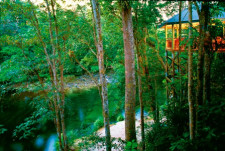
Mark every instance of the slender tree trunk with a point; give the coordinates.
(147, 75)
(173, 91)
(199, 77)
(96, 12)
(156, 103)
(62, 103)
(179, 61)
(141, 70)
(140, 93)
(58, 102)
(141, 102)
(130, 88)
(199, 92)
(52, 67)
(62, 110)
(180, 26)
(203, 19)
(190, 76)
(206, 88)
(207, 57)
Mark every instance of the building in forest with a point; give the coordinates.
(172, 30)
(174, 48)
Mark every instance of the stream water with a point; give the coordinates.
(82, 109)
(81, 106)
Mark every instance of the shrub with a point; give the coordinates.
(120, 118)
(98, 123)
(131, 146)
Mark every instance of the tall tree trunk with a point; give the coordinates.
(96, 12)
(140, 92)
(62, 110)
(156, 102)
(130, 88)
(54, 71)
(207, 58)
(179, 61)
(141, 71)
(207, 73)
(52, 66)
(147, 75)
(173, 91)
(180, 26)
(190, 75)
(203, 19)
(62, 103)
(200, 64)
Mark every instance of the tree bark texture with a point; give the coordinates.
(96, 12)
(173, 67)
(203, 19)
(147, 74)
(207, 58)
(57, 100)
(140, 93)
(207, 73)
(130, 88)
(199, 93)
(190, 76)
(61, 67)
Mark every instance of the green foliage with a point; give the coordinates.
(94, 141)
(98, 123)
(72, 135)
(131, 146)
(33, 123)
(158, 138)
(120, 118)
(2, 129)
(29, 126)
(173, 134)
(25, 130)
(182, 144)
(211, 131)
(23, 62)
(216, 28)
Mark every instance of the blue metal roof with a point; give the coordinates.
(184, 17)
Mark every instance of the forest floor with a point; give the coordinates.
(117, 131)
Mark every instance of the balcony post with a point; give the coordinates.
(166, 34)
(166, 74)
(173, 55)
(173, 60)
(172, 37)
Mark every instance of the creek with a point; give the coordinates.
(82, 109)
(83, 106)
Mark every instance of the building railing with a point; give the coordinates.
(218, 44)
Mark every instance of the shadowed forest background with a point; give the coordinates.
(112, 75)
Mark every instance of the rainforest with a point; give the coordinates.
(112, 75)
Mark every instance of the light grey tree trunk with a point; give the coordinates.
(103, 82)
